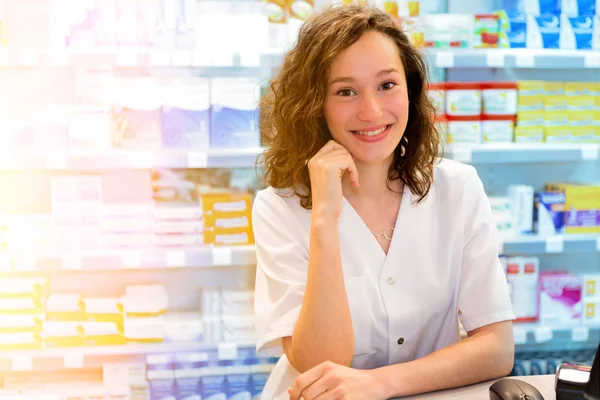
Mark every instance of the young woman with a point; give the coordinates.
(369, 248)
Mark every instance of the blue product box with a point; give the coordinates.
(580, 33)
(543, 32)
(549, 213)
(214, 383)
(576, 8)
(239, 382)
(542, 7)
(513, 30)
(188, 375)
(234, 113)
(161, 376)
(185, 129)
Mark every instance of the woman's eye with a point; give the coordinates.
(345, 92)
(388, 85)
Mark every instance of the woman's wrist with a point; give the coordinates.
(389, 380)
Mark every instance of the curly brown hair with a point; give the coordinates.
(291, 113)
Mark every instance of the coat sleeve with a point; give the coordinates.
(281, 271)
(483, 296)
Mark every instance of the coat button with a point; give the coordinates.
(391, 280)
(401, 341)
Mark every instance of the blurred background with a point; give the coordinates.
(128, 149)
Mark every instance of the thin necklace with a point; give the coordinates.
(383, 236)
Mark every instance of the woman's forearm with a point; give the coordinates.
(485, 355)
(324, 328)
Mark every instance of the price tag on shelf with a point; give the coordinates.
(555, 244)
(580, 334)
(444, 59)
(495, 59)
(197, 160)
(227, 351)
(56, 160)
(542, 334)
(58, 58)
(28, 58)
(74, 360)
(127, 58)
(25, 263)
(141, 160)
(22, 363)
(250, 59)
(462, 154)
(589, 152)
(160, 58)
(519, 334)
(592, 60)
(525, 60)
(132, 260)
(222, 256)
(175, 259)
(181, 58)
(71, 262)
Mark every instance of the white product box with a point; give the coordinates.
(498, 131)
(522, 202)
(522, 276)
(144, 328)
(464, 132)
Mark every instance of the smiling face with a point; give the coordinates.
(366, 106)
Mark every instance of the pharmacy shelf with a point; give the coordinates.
(93, 357)
(200, 257)
(522, 153)
(553, 337)
(532, 244)
(514, 58)
(85, 160)
(207, 59)
(93, 160)
(217, 63)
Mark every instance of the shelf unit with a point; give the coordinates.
(559, 244)
(552, 337)
(94, 357)
(271, 58)
(90, 160)
(79, 160)
(197, 257)
(515, 58)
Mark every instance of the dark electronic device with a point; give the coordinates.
(578, 382)
(592, 388)
(514, 389)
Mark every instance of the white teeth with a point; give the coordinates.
(372, 133)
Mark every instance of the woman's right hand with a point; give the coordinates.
(326, 169)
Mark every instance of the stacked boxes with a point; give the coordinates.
(227, 218)
(21, 313)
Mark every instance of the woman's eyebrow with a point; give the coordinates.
(381, 73)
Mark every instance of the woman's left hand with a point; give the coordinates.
(330, 381)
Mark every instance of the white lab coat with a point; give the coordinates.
(442, 265)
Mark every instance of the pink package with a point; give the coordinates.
(560, 297)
